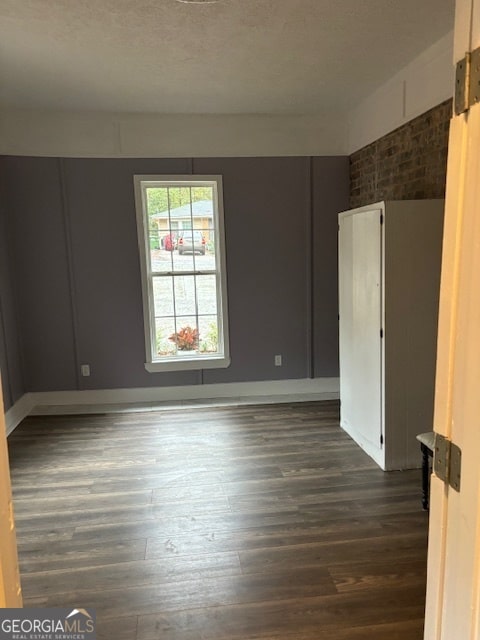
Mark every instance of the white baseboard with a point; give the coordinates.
(377, 454)
(271, 391)
(265, 392)
(18, 412)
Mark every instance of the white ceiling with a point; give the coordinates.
(236, 56)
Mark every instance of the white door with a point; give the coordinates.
(453, 587)
(360, 304)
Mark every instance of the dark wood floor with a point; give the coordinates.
(238, 523)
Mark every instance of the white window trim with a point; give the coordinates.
(195, 362)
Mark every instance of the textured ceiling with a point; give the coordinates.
(234, 56)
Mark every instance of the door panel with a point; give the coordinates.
(360, 277)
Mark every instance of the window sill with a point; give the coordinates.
(186, 364)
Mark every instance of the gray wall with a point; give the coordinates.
(328, 201)
(10, 360)
(77, 278)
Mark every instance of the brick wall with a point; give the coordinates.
(408, 163)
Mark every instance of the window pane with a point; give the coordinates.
(158, 223)
(164, 328)
(185, 299)
(163, 296)
(191, 241)
(157, 202)
(161, 260)
(202, 193)
(178, 197)
(168, 238)
(187, 222)
(206, 262)
(208, 334)
(183, 261)
(209, 235)
(187, 335)
(207, 294)
(155, 235)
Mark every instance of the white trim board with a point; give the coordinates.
(144, 399)
(70, 134)
(20, 410)
(423, 84)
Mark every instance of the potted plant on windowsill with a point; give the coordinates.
(186, 338)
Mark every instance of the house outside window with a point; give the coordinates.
(182, 259)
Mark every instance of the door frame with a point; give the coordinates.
(10, 589)
(453, 575)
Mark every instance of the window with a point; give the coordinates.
(182, 254)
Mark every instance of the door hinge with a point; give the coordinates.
(467, 82)
(447, 461)
(381, 218)
(475, 77)
(381, 333)
(381, 438)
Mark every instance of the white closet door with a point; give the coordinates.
(360, 300)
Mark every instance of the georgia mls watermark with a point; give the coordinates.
(47, 624)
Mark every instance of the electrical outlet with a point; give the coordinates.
(278, 361)
(85, 368)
